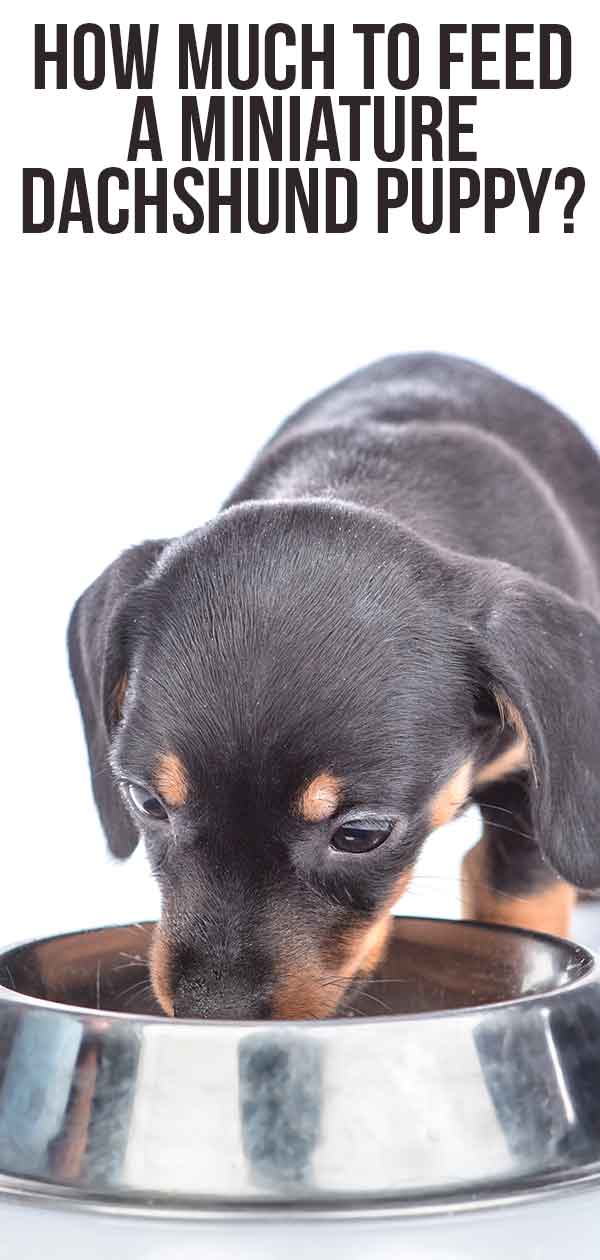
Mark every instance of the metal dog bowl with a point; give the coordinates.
(468, 1076)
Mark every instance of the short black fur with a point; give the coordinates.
(413, 543)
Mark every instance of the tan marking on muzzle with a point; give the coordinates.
(367, 947)
(160, 965)
(304, 993)
(320, 799)
(171, 781)
(452, 796)
(314, 990)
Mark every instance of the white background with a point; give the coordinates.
(141, 373)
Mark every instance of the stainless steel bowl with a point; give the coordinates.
(469, 1074)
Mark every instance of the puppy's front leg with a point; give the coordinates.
(504, 878)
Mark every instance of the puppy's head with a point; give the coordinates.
(283, 705)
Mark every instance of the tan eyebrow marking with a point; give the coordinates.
(320, 799)
(171, 781)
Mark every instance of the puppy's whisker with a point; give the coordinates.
(364, 993)
(525, 835)
(390, 980)
(502, 808)
(482, 885)
(137, 985)
(133, 961)
(138, 997)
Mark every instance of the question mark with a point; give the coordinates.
(578, 177)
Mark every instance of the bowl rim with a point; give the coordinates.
(589, 973)
(506, 1193)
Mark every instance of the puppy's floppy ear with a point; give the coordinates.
(538, 652)
(98, 656)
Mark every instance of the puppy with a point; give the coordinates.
(397, 612)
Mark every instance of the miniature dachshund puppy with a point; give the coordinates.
(396, 613)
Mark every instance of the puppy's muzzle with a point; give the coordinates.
(195, 998)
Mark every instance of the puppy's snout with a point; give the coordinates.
(222, 980)
(196, 997)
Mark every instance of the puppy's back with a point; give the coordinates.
(436, 387)
(354, 420)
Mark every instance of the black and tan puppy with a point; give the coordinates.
(395, 613)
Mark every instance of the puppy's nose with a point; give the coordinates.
(193, 999)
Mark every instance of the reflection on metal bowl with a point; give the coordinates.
(471, 1076)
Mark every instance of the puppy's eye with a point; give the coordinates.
(145, 803)
(360, 837)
